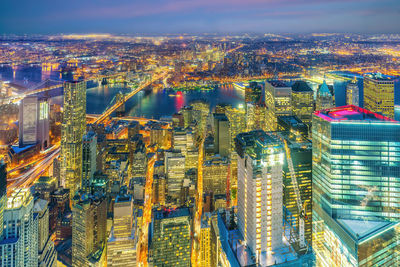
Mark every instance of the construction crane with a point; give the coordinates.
(302, 214)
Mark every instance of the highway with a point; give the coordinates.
(31, 175)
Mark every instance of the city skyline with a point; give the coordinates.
(193, 133)
(193, 16)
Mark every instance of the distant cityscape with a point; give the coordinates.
(201, 150)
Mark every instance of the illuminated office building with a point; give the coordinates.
(34, 122)
(303, 101)
(3, 193)
(215, 243)
(301, 154)
(222, 135)
(160, 137)
(159, 189)
(237, 121)
(89, 159)
(277, 101)
(187, 112)
(20, 244)
(353, 93)
(180, 140)
(89, 220)
(191, 158)
(205, 243)
(72, 131)
(201, 109)
(171, 241)
(183, 141)
(324, 98)
(355, 188)
(260, 161)
(379, 94)
(47, 251)
(138, 158)
(256, 117)
(175, 171)
(215, 174)
(121, 245)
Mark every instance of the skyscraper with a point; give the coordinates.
(353, 93)
(256, 117)
(175, 171)
(34, 122)
(277, 101)
(72, 131)
(324, 98)
(237, 122)
(121, 246)
(356, 183)
(302, 101)
(171, 241)
(215, 172)
(222, 135)
(3, 193)
(259, 193)
(301, 156)
(89, 221)
(379, 94)
(205, 236)
(20, 244)
(46, 249)
(89, 158)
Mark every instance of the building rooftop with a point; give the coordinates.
(278, 84)
(123, 198)
(350, 113)
(249, 142)
(40, 205)
(171, 213)
(324, 89)
(292, 121)
(361, 230)
(379, 77)
(18, 198)
(301, 86)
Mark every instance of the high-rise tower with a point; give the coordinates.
(20, 244)
(89, 155)
(356, 185)
(353, 93)
(379, 94)
(324, 98)
(260, 161)
(72, 131)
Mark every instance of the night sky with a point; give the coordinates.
(195, 16)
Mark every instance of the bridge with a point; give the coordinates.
(48, 85)
(126, 97)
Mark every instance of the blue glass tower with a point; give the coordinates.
(356, 187)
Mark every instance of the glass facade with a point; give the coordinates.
(356, 166)
(356, 188)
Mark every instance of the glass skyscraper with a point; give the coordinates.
(356, 188)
